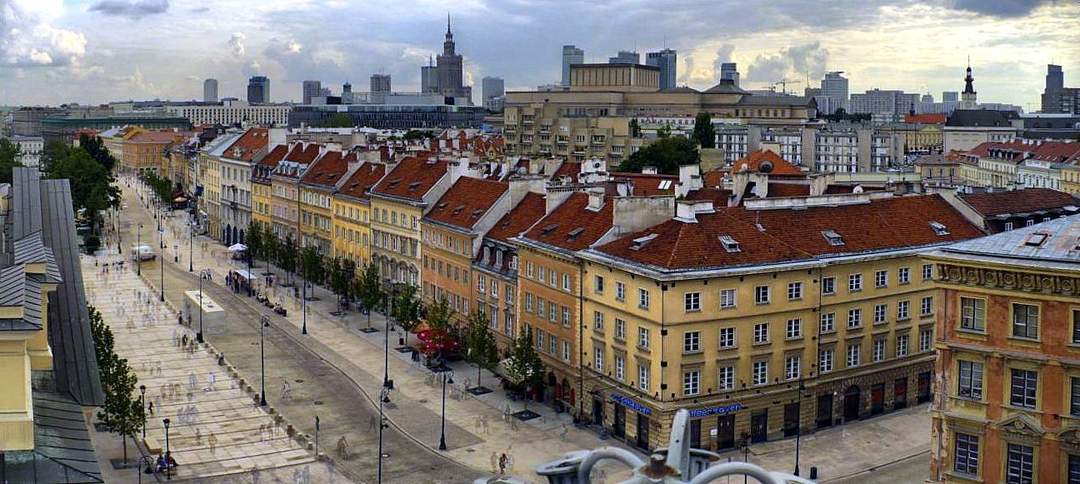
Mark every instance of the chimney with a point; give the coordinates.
(687, 211)
(649, 170)
(596, 199)
(522, 185)
(632, 214)
(555, 198)
(689, 179)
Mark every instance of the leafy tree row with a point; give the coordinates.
(88, 168)
(123, 411)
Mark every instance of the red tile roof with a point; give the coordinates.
(248, 145)
(530, 209)
(776, 165)
(274, 156)
(366, 176)
(328, 169)
(713, 178)
(791, 235)
(465, 202)
(303, 154)
(1052, 151)
(568, 168)
(156, 137)
(412, 177)
(788, 190)
(644, 185)
(1018, 201)
(718, 196)
(928, 118)
(572, 226)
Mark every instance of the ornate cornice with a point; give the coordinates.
(1058, 285)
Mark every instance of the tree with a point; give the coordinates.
(436, 339)
(635, 128)
(311, 265)
(271, 244)
(9, 159)
(524, 369)
(406, 309)
(95, 147)
(414, 135)
(287, 255)
(368, 287)
(663, 131)
(122, 412)
(339, 120)
(666, 154)
(91, 183)
(704, 132)
(339, 279)
(254, 239)
(480, 347)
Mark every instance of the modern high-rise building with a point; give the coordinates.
(835, 86)
(380, 83)
(447, 75)
(730, 71)
(209, 90)
(429, 78)
(570, 55)
(311, 89)
(258, 90)
(667, 61)
(346, 93)
(1055, 77)
(625, 57)
(950, 96)
(1057, 98)
(492, 87)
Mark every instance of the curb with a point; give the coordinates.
(875, 467)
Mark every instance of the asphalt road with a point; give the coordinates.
(914, 469)
(317, 387)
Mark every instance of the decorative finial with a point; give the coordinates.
(448, 23)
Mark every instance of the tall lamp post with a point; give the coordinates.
(168, 455)
(142, 401)
(202, 275)
(161, 263)
(384, 396)
(138, 250)
(798, 426)
(264, 322)
(386, 335)
(303, 303)
(447, 377)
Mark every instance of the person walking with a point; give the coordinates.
(502, 464)
(212, 440)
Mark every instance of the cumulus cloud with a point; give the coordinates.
(28, 38)
(236, 44)
(133, 9)
(795, 61)
(723, 54)
(998, 8)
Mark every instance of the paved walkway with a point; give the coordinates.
(215, 427)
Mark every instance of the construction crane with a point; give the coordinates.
(783, 84)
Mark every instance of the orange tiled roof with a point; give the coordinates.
(1052, 151)
(465, 202)
(568, 168)
(713, 178)
(275, 155)
(412, 177)
(520, 218)
(645, 185)
(718, 196)
(792, 235)
(155, 137)
(249, 144)
(572, 226)
(928, 118)
(754, 161)
(328, 169)
(1018, 201)
(303, 154)
(366, 176)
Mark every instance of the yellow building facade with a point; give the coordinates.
(352, 214)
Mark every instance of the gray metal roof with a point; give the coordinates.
(74, 360)
(25, 202)
(29, 249)
(11, 286)
(1052, 244)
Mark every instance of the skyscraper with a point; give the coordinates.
(625, 57)
(380, 83)
(835, 86)
(429, 78)
(209, 90)
(258, 90)
(451, 69)
(346, 93)
(667, 61)
(729, 70)
(570, 55)
(311, 89)
(494, 91)
(1055, 78)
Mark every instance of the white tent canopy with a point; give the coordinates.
(237, 248)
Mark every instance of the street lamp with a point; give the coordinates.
(142, 401)
(168, 455)
(138, 250)
(447, 377)
(798, 426)
(202, 275)
(384, 396)
(386, 336)
(264, 322)
(161, 263)
(191, 246)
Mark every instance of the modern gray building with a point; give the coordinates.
(493, 92)
(884, 105)
(258, 90)
(625, 57)
(346, 93)
(667, 61)
(730, 71)
(1057, 98)
(310, 90)
(570, 55)
(835, 86)
(950, 96)
(380, 83)
(429, 78)
(209, 91)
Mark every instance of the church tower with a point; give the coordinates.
(968, 97)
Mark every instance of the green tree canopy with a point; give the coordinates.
(666, 154)
(254, 241)
(91, 182)
(524, 369)
(480, 347)
(407, 309)
(9, 159)
(368, 287)
(287, 255)
(704, 132)
(311, 264)
(122, 412)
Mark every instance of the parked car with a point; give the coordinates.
(142, 252)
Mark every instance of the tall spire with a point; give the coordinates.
(448, 24)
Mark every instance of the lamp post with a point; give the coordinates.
(386, 335)
(138, 250)
(798, 426)
(303, 302)
(168, 456)
(384, 396)
(191, 247)
(142, 401)
(447, 377)
(161, 262)
(202, 275)
(264, 322)
(251, 277)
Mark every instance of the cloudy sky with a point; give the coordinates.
(90, 51)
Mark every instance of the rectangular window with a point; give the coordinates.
(727, 298)
(881, 279)
(828, 322)
(854, 282)
(643, 376)
(1074, 396)
(973, 314)
(880, 313)
(620, 367)
(828, 286)
(794, 328)
(903, 275)
(598, 283)
(566, 351)
(725, 379)
(553, 312)
(761, 333)
(691, 342)
(1020, 464)
(879, 349)
(598, 359)
(540, 311)
(643, 298)
(1023, 388)
(901, 345)
(794, 290)
(970, 379)
(1025, 321)
(761, 295)
(926, 308)
(825, 360)
(620, 291)
(598, 320)
(643, 338)
(1076, 326)
(691, 382)
(966, 453)
(566, 282)
(760, 372)
(553, 345)
(727, 337)
(620, 329)
(566, 316)
(853, 350)
(553, 278)
(692, 301)
(791, 367)
(854, 317)
(927, 272)
(903, 310)
(926, 339)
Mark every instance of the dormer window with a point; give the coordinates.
(575, 233)
(665, 184)
(548, 229)
(833, 238)
(476, 213)
(640, 242)
(730, 244)
(939, 228)
(414, 185)
(458, 209)
(1036, 239)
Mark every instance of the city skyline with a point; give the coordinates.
(100, 51)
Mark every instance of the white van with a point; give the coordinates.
(142, 252)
